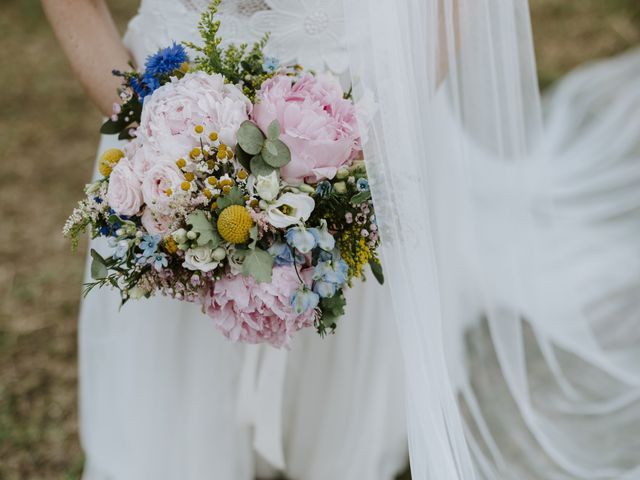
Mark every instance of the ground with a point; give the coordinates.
(48, 137)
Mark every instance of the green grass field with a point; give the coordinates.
(48, 138)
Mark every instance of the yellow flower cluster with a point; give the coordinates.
(108, 160)
(354, 250)
(170, 245)
(234, 224)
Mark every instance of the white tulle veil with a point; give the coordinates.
(509, 253)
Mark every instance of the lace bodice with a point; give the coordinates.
(309, 32)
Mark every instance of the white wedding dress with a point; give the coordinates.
(164, 396)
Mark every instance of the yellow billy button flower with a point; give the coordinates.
(189, 176)
(199, 129)
(186, 186)
(108, 159)
(181, 163)
(242, 174)
(195, 152)
(234, 224)
(213, 136)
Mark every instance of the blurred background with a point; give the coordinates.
(48, 140)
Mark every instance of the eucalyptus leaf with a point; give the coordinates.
(204, 227)
(259, 167)
(98, 266)
(244, 158)
(253, 235)
(250, 138)
(361, 197)
(276, 153)
(273, 130)
(376, 269)
(234, 197)
(259, 264)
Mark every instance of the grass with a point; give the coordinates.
(48, 137)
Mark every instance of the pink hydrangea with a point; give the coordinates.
(171, 113)
(251, 312)
(318, 125)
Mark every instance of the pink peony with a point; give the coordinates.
(141, 157)
(156, 223)
(171, 113)
(124, 194)
(156, 182)
(318, 125)
(252, 312)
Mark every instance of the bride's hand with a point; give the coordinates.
(91, 42)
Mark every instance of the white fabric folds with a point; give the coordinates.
(512, 256)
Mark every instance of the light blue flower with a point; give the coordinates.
(304, 300)
(149, 245)
(334, 271)
(322, 236)
(159, 261)
(301, 239)
(121, 249)
(323, 188)
(281, 253)
(270, 64)
(325, 289)
(362, 184)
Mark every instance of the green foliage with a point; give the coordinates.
(250, 138)
(259, 167)
(376, 269)
(360, 197)
(99, 269)
(332, 309)
(202, 224)
(276, 153)
(234, 197)
(258, 263)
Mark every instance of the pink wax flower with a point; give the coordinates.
(171, 113)
(251, 312)
(318, 125)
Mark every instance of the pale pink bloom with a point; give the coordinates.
(142, 157)
(124, 195)
(156, 223)
(318, 125)
(171, 113)
(250, 312)
(157, 181)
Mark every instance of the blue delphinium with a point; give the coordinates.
(281, 253)
(270, 64)
(165, 61)
(301, 239)
(325, 289)
(304, 300)
(322, 237)
(333, 271)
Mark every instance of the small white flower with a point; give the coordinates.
(267, 187)
(290, 209)
(200, 258)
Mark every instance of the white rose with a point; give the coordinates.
(268, 186)
(200, 258)
(298, 208)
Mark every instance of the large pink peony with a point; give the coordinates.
(252, 312)
(124, 194)
(171, 113)
(318, 125)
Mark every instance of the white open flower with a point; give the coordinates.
(290, 209)
(200, 258)
(268, 186)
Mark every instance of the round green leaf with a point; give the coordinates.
(273, 130)
(260, 167)
(244, 158)
(276, 153)
(250, 138)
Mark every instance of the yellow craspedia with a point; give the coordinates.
(234, 224)
(108, 159)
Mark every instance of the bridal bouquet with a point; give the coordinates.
(241, 188)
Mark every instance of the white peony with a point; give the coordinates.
(290, 209)
(200, 258)
(267, 187)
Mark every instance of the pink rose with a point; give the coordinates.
(156, 223)
(142, 159)
(318, 125)
(171, 113)
(252, 312)
(124, 194)
(156, 182)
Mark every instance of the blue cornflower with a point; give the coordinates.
(281, 253)
(270, 64)
(149, 245)
(105, 230)
(165, 61)
(362, 184)
(139, 87)
(304, 300)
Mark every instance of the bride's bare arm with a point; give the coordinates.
(91, 42)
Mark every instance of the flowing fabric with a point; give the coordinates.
(511, 253)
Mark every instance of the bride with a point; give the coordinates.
(162, 394)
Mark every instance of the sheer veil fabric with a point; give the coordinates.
(512, 255)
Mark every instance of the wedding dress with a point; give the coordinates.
(163, 396)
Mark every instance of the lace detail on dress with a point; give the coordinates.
(242, 8)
